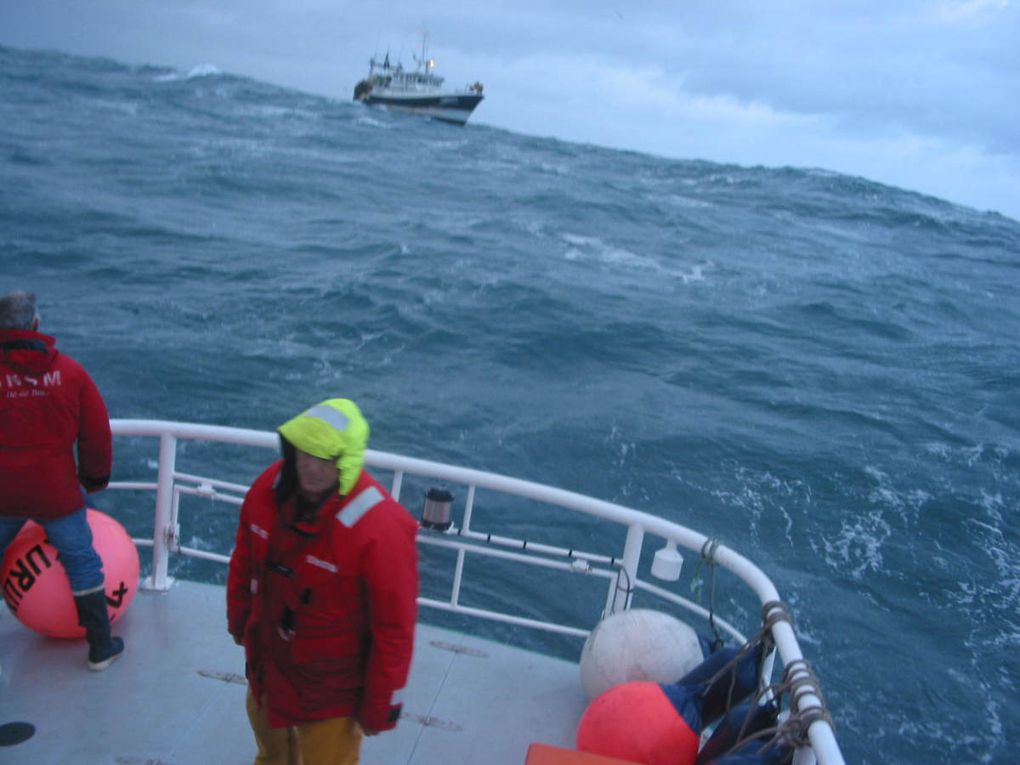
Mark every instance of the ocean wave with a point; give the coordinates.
(817, 369)
(196, 72)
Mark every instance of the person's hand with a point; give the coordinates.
(368, 731)
(92, 484)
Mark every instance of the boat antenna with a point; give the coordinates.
(424, 60)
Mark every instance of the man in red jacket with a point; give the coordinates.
(322, 592)
(48, 407)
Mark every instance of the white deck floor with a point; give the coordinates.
(177, 695)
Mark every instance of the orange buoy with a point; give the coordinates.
(36, 588)
(637, 722)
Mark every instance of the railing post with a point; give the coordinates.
(469, 507)
(158, 579)
(398, 479)
(458, 575)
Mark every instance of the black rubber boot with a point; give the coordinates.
(92, 615)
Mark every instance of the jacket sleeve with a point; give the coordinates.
(239, 575)
(95, 444)
(391, 576)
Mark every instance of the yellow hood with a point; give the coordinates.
(332, 430)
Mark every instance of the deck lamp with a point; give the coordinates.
(667, 563)
(437, 511)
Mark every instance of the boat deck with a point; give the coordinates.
(176, 697)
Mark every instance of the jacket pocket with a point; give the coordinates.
(333, 604)
(328, 669)
(335, 652)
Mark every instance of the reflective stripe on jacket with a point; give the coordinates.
(326, 609)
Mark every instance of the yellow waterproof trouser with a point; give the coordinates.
(336, 741)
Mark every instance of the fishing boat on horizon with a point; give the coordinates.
(420, 91)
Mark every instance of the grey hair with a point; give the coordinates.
(17, 310)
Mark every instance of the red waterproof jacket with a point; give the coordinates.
(48, 405)
(326, 609)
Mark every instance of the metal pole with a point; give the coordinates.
(398, 479)
(158, 579)
(469, 507)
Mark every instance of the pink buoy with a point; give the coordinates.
(638, 723)
(36, 588)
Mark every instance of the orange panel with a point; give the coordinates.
(544, 754)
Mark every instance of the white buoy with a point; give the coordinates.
(639, 644)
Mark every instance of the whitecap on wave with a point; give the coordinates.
(678, 200)
(371, 122)
(593, 248)
(202, 70)
(857, 548)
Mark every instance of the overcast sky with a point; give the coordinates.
(921, 94)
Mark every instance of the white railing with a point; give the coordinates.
(621, 573)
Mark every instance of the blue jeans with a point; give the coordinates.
(72, 537)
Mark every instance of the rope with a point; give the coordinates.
(799, 681)
(708, 550)
(776, 736)
(802, 682)
(773, 612)
(762, 639)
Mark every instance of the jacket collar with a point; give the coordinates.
(27, 350)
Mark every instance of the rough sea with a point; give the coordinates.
(821, 371)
